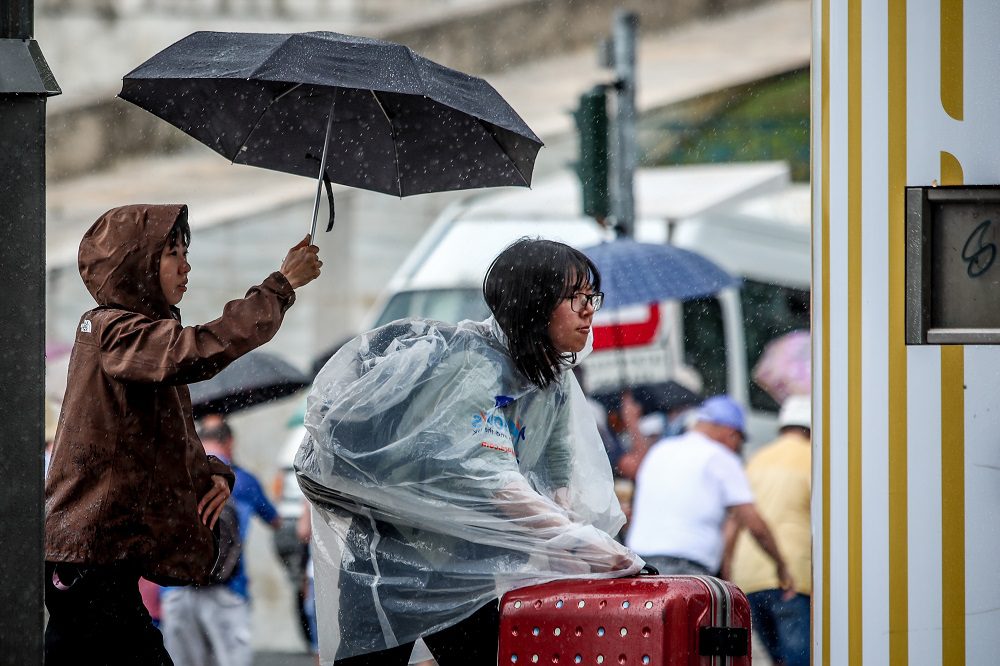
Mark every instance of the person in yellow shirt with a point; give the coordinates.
(780, 477)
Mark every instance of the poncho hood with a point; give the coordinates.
(119, 257)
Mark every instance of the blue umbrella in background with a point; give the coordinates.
(635, 273)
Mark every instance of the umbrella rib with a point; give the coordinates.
(503, 150)
(259, 118)
(395, 149)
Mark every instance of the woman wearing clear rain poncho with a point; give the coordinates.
(448, 464)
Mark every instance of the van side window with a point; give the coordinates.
(769, 311)
(450, 305)
(705, 343)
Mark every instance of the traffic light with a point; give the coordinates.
(592, 123)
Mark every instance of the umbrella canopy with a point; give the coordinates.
(785, 366)
(639, 273)
(252, 379)
(653, 397)
(401, 124)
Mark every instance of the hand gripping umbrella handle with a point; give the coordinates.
(322, 175)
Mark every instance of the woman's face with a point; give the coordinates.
(569, 328)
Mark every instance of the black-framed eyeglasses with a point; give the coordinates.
(579, 301)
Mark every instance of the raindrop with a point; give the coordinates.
(600, 659)
(645, 659)
(625, 604)
(556, 631)
(646, 632)
(649, 604)
(535, 631)
(559, 604)
(578, 659)
(534, 658)
(600, 631)
(581, 604)
(513, 658)
(624, 631)
(517, 604)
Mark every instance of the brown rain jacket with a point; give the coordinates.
(128, 470)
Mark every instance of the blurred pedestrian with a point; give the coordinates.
(211, 623)
(130, 491)
(652, 412)
(612, 445)
(446, 462)
(150, 593)
(686, 488)
(303, 530)
(780, 476)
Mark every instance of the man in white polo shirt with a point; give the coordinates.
(687, 486)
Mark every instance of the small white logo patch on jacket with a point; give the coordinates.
(85, 326)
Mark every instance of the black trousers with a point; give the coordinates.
(99, 619)
(471, 642)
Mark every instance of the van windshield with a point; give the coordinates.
(448, 305)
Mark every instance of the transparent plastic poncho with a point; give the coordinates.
(440, 478)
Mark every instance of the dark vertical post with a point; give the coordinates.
(25, 82)
(626, 27)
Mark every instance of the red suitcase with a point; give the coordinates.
(642, 620)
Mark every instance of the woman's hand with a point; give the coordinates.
(301, 265)
(210, 506)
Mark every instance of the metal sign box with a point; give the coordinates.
(952, 265)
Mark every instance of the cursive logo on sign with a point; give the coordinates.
(979, 255)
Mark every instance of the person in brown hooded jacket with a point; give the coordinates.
(130, 491)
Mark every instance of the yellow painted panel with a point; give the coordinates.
(953, 505)
(952, 479)
(855, 624)
(952, 55)
(898, 509)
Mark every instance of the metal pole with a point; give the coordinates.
(623, 197)
(322, 170)
(25, 82)
(16, 19)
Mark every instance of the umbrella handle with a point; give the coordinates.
(322, 173)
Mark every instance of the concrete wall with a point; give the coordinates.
(512, 32)
(91, 129)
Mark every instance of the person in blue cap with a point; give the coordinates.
(688, 486)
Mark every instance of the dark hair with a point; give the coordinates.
(523, 286)
(180, 232)
(217, 432)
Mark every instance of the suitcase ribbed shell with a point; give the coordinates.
(643, 621)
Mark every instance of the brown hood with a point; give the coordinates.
(119, 257)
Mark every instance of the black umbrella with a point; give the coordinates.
(393, 121)
(252, 379)
(664, 396)
(320, 360)
(654, 397)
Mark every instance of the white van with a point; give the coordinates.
(746, 217)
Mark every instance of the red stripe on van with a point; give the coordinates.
(634, 334)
